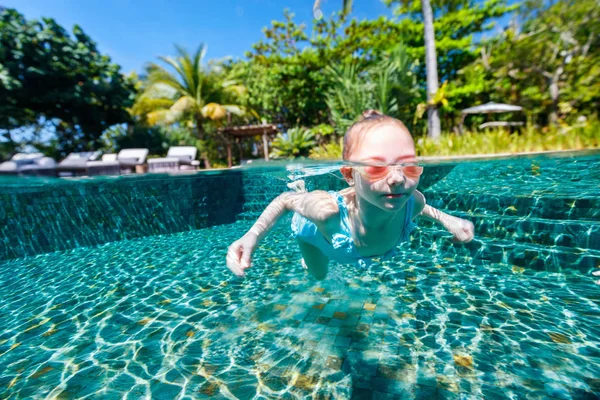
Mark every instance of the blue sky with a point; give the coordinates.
(133, 32)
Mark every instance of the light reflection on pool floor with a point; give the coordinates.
(162, 317)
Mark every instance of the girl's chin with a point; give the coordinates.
(394, 203)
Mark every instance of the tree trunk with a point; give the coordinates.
(433, 118)
(200, 133)
(554, 94)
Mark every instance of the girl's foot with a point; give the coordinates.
(595, 273)
(303, 264)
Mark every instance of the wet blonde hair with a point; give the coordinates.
(368, 120)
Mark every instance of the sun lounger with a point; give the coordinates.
(75, 164)
(178, 158)
(129, 159)
(107, 166)
(29, 164)
(114, 164)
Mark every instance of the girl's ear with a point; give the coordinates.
(347, 174)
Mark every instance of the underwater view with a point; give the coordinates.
(322, 199)
(134, 300)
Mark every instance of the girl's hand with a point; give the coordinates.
(239, 254)
(462, 230)
(597, 273)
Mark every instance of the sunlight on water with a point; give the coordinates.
(514, 313)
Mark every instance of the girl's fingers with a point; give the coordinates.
(233, 260)
(596, 273)
(246, 259)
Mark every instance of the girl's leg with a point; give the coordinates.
(316, 262)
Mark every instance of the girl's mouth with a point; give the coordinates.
(393, 196)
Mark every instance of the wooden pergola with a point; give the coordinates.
(240, 132)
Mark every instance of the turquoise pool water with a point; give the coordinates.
(515, 314)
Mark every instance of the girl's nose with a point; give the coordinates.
(395, 177)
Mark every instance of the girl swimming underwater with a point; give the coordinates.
(368, 219)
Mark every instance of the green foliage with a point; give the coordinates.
(284, 72)
(551, 65)
(323, 130)
(532, 139)
(456, 23)
(384, 85)
(118, 137)
(297, 142)
(60, 82)
(192, 95)
(329, 151)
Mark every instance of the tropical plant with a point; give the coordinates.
(433, 119)
(329, 151)
(348, 96)
(297, 142)
(383, 85)
(55, 81)
(157, 139)
(580, 136)
(284, 72)
(192, 94)
(552, 62)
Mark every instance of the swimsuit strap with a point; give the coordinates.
(342, 240)
(408, 224)
(344, 217)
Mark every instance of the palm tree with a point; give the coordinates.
(433, 118)
(193, 94)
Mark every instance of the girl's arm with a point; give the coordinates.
(317, 206)
(462, 230)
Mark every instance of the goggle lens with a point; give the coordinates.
(381, 171)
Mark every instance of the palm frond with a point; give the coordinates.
(158, 74)
(235, 110)
(158, 117)
(184, 104)
(160, 91)
(178, 68)
(189, 75)
(189, 92)
(214, 111)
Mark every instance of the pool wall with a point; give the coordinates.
(45, 215)
(64, 214)
(40, 216)
(523, 215)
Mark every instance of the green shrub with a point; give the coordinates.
(492, 141)
(297, 142)
(329, 151)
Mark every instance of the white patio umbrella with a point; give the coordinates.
(489, 108)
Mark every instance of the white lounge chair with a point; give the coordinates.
(29, 164)
(76, 163)
(178, 158)
(115, 164)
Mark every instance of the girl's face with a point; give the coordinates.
(386, 144)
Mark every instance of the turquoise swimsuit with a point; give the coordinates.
(342, 248)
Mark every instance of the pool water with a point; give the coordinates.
(515, 314)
